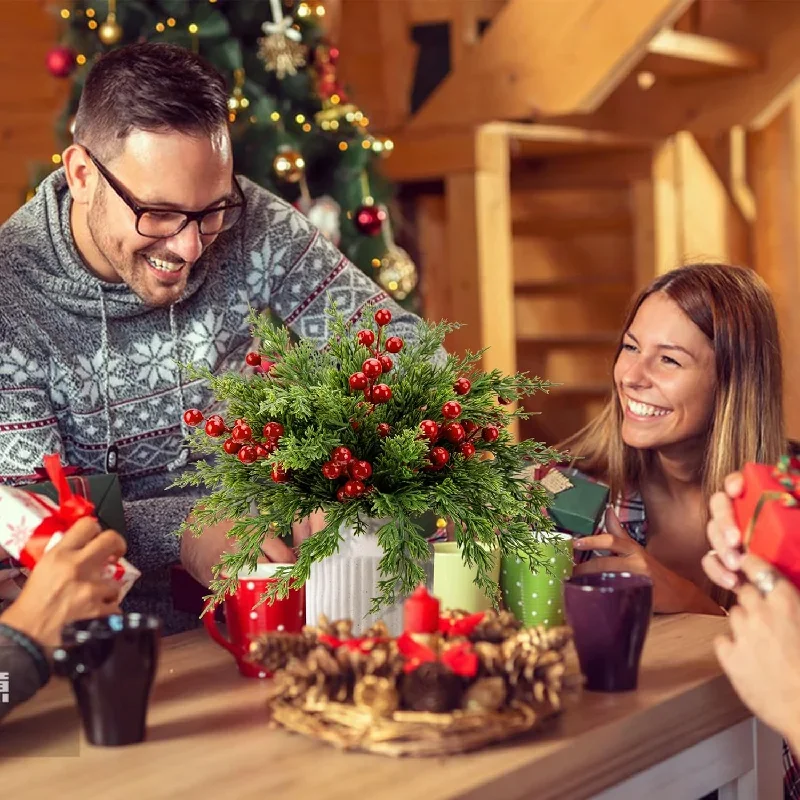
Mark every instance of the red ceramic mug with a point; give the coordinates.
(245, 623)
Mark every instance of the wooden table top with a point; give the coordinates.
(207, 737)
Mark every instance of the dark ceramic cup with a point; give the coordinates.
(111, 662)
(609, 613)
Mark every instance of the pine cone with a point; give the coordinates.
(431, 687)
(274, 650)
(533, 662)
(496, 626)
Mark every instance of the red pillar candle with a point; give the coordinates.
(421, 612)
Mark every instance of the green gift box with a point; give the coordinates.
(102, 491)
(577, 503)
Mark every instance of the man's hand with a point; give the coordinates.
(762, 652)
(68, 584)
(722, 562)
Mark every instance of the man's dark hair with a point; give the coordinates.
(148, 87)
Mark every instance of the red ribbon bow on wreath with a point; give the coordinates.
(70, 509)
(458, 658)
(363, 644)
(462, 626)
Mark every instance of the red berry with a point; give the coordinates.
(451, 409)
(240, 421)
(231, 447)
(215, 426)
(490, 433)
(439, 456)
(462, 386)
(381, 393)
(272, 430)
(248, 454)
(504, 401)
(279, 474)
(261, 451)
(454, 431)
(361, 470)
(253, 359)
(469, 427)
(242, 433)
(383, 316)
(386, 363)
(383, 429)
(372, 368)
(366, 338)
(341, 456)
(193, 416)
(358, 381)
(271, 445)
(340, 495)
(331, 471)
(430, 429)
(266, 366)
(467, 449)
(394, 344)
(354, 488)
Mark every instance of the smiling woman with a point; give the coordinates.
(697, 392)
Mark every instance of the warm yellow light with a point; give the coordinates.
(388, 144)
(160, 27)
(645, 80)
(335, 99)
(80, 59)
(320, 10)
(303, 10)
(92, 24)
(55, 158)
(366, 144)
(307, 127)
(244, 102)
(343, 146)
(274, 116)
(193, 28)
(64, 13)
(325, 125)
(393, 286)
(300, 119)
(171, 22)
(334, 124)
(364, 122)
(90, 12)
(376, 262)
(252, 119)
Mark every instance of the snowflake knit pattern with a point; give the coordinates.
(87, 369)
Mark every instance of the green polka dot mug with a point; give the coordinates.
(536, 597)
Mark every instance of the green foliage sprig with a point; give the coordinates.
(489, 495)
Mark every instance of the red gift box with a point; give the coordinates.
(768, 514)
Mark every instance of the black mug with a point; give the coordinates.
(111, 662)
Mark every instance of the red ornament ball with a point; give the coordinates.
(383, 429)
(381, 393)
(467, 449)
(439, 456)
(366, 338)
(354, 488)
(242, 432)
(272, 430)
(451, 409)
(386, 363)
(248, 454)
(369, 220)
(271, 445)
(231, 447)
(193, 417)
(358, 381)
(455, 432)
(394, 344)
(331, 470)
(253, 360)
(430, 429)
(215, 426)
(372, 368)
(341, 455)
(279, 474)
(361, 470)
(462, 386)
(469, 427)
(490, 433)
(383, 316)
(60, 61)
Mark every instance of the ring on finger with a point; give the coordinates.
(765, 581)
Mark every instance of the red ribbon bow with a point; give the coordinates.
(459, 658)
(70, 509)
(459, 627)
(363, 644)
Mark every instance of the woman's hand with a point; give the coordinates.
(672, 594)
(68, 584)
(762, 653)
(722, 562)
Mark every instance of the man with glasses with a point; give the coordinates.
(142, 251)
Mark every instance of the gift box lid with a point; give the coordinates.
(577, 503)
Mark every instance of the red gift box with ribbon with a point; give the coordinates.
(30, 523)
(768, 514)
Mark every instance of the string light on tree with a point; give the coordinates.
(237, 101)
(311, 8)
(289, 165)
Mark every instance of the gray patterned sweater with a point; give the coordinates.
(87, 368)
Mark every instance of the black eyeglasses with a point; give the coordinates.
(159, 223)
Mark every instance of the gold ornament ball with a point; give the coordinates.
(398, 273)
(110, 32)
(289, 166)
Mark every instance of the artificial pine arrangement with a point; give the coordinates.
(368, 427)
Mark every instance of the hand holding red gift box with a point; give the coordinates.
(30, 524)
(768, 514)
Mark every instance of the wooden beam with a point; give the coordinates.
(688, 55)
(542, 57)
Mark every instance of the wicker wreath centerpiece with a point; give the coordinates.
(479, 679)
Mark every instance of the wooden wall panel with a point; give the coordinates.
(30, 99)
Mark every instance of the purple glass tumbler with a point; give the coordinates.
(609, 613)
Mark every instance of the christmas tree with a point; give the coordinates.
(294, 128)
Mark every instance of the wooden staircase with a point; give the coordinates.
(628, 135)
